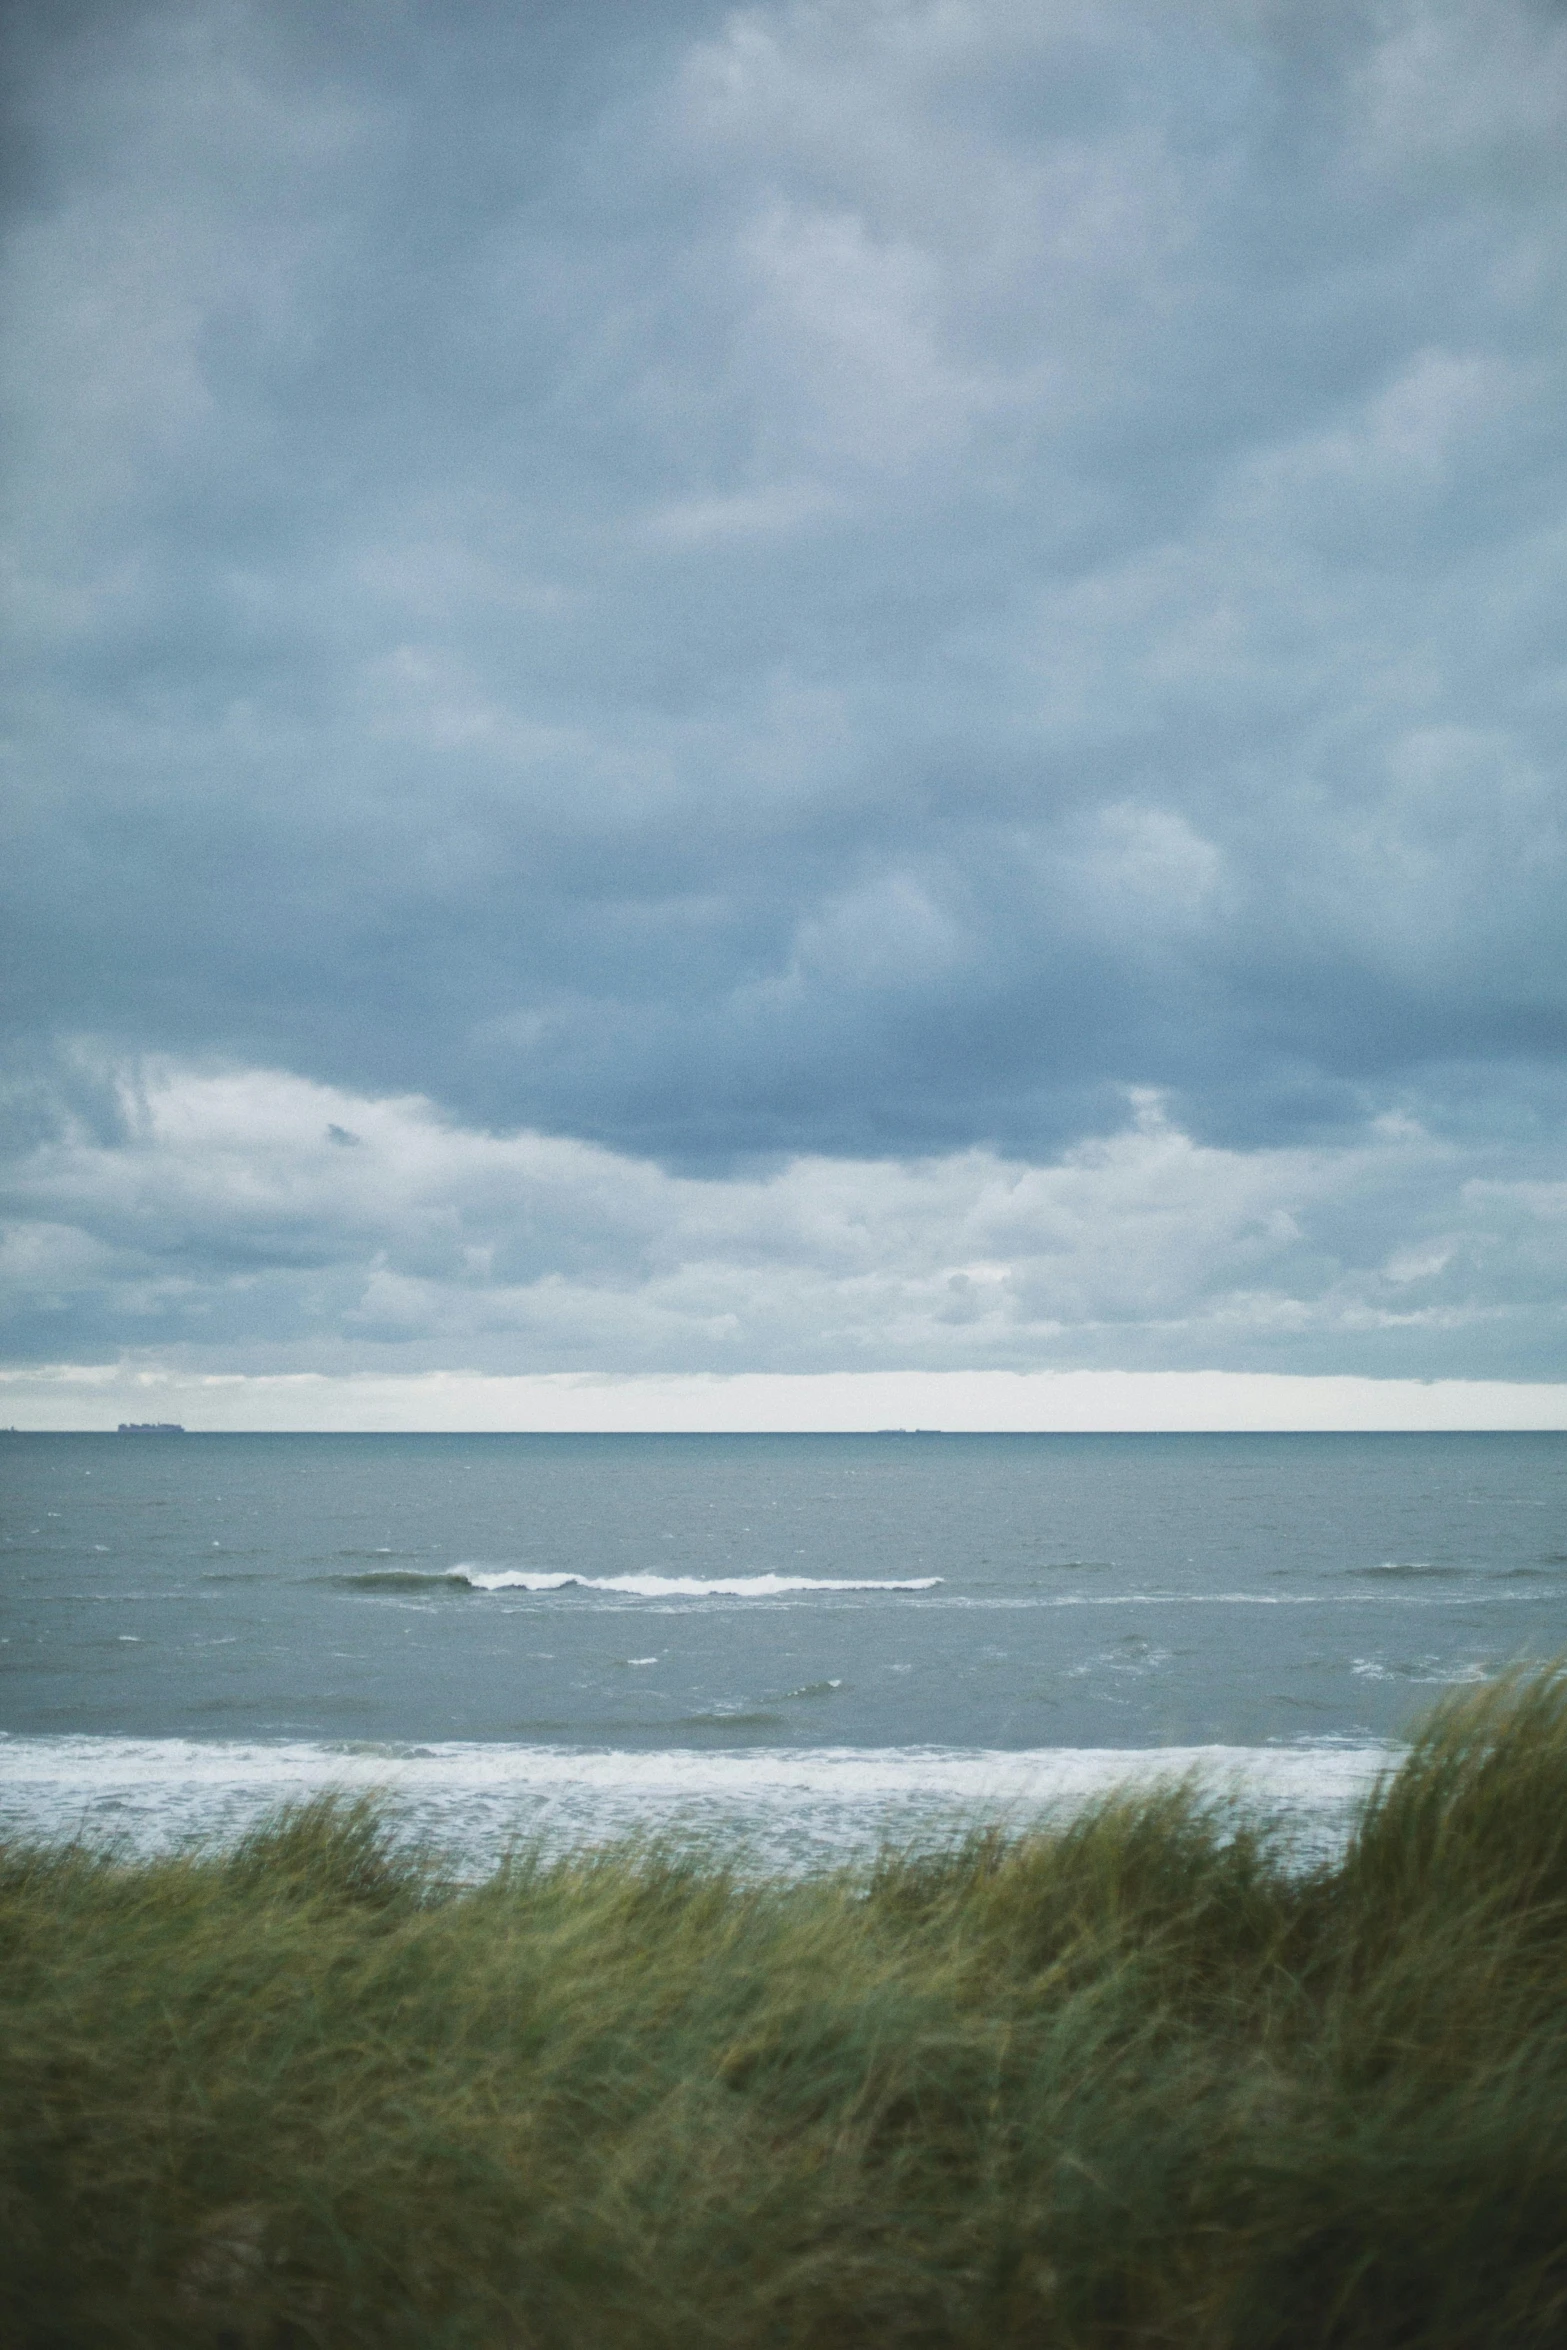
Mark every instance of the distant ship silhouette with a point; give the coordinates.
(150, 1428)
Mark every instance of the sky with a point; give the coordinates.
(860, 691)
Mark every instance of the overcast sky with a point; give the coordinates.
(871, 686)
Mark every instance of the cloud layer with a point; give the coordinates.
(264, 1219)
(864, 685)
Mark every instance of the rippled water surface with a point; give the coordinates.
(718, 1605)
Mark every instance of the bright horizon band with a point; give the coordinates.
(93, 1396)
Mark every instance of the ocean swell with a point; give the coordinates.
(677, 1586)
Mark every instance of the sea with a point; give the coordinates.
(803, 1648)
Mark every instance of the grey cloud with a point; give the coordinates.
(729, 584)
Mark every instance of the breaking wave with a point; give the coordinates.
(677, 1586)
(1405, 1568)
(791, 1807)
(392, 1579)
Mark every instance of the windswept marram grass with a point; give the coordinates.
(1140, 2081)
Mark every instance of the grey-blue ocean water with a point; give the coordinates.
(698, 1612)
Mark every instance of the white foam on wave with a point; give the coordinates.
(1429, 1672)
(678, 1586)
(792, 1807)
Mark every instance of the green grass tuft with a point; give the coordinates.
(1136, 2081)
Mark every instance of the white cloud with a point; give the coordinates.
(231, 1216)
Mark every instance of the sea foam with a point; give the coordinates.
(788, 1807)
(679, 1586)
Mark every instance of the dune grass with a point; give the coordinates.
(1137, 2081)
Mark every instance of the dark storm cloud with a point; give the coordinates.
(858, 581)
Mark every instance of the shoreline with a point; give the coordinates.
(794, 1805)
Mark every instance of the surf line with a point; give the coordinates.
(679, 1586)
